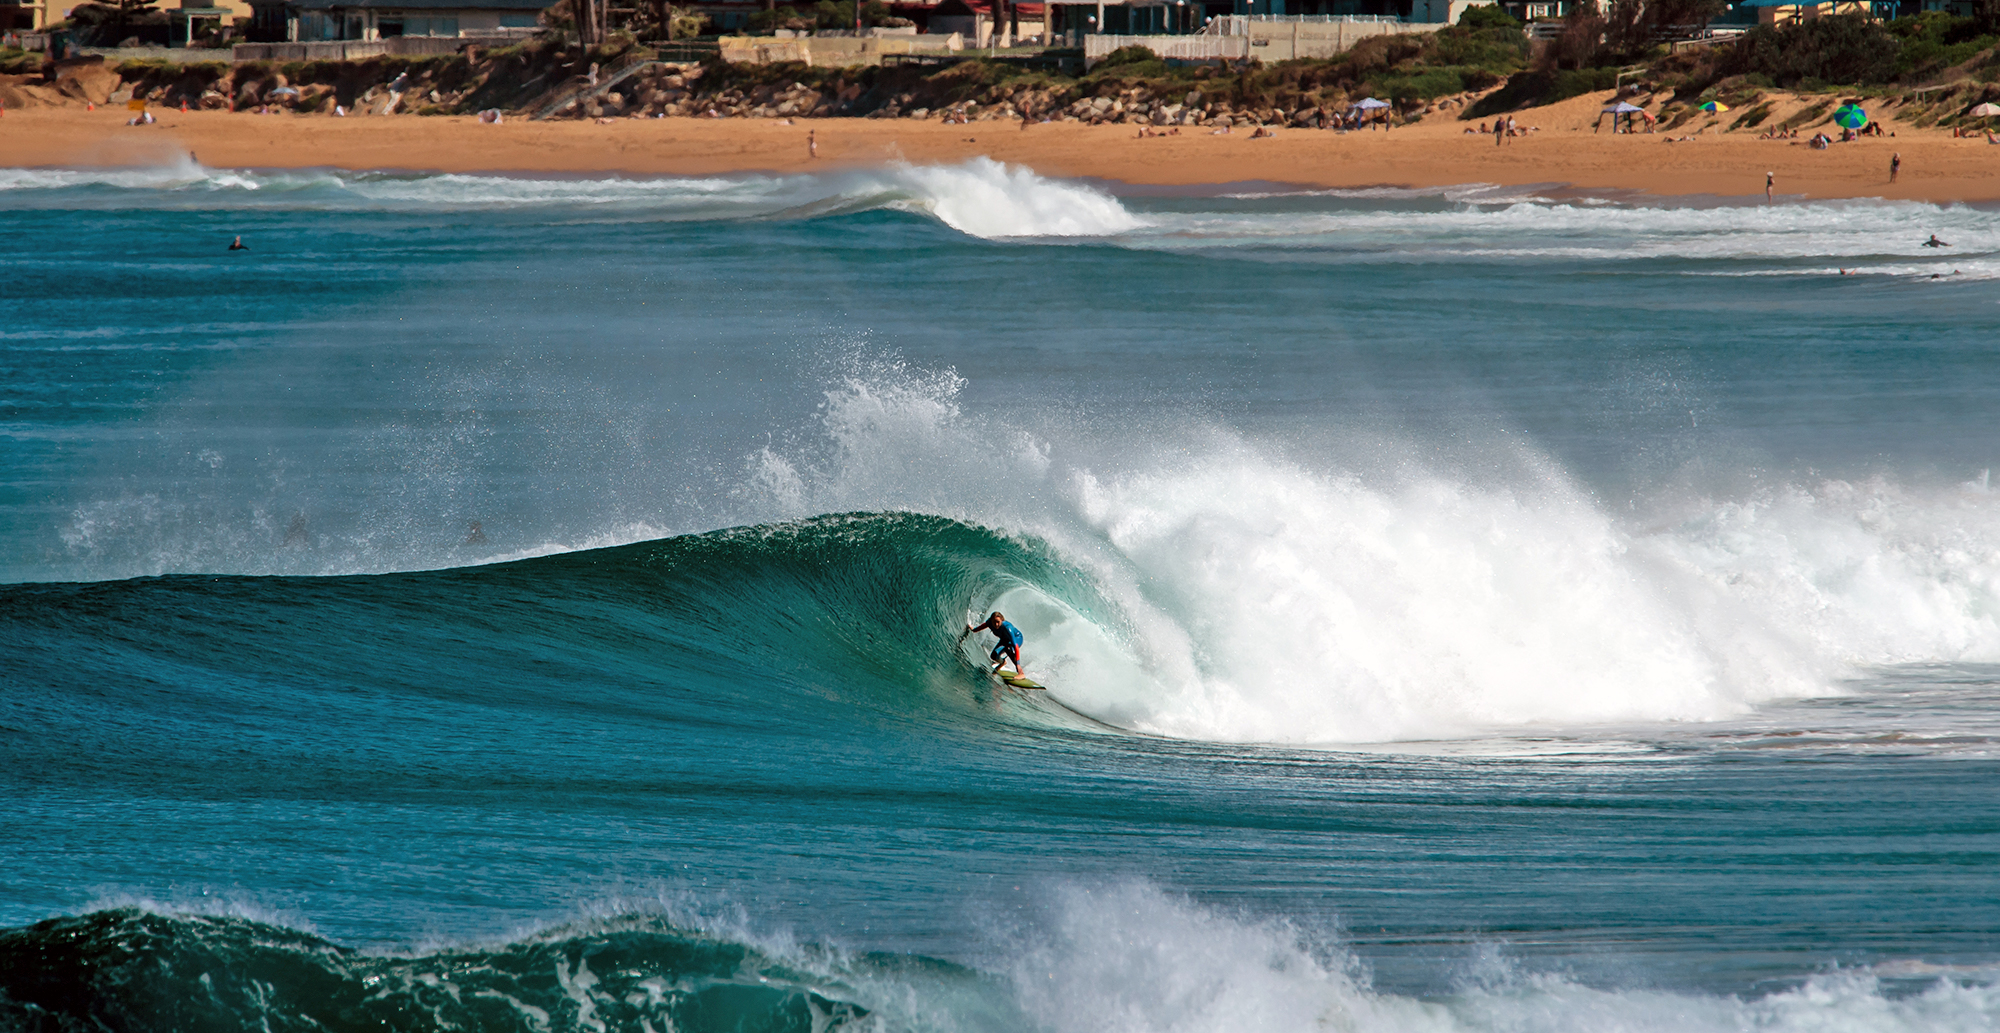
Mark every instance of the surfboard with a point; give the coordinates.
(1018, 681)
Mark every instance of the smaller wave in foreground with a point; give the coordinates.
(129, 969)
(1125, 958)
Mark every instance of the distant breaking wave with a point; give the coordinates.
(981, 197)
(985, 199)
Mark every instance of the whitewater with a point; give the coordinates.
(516, 603)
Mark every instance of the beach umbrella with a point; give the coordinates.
(1715, 107)
(1621, 108)
(1850, 116)
(282, 91)
(1987, 110)
(1370, 104)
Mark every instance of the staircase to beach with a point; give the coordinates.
(577, 90)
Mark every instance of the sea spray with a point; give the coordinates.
(1128, 958)
(1295, 600)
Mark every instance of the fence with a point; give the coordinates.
(1179, 48)
(355, 50)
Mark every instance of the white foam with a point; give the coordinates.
(1474, 228)
(1265, 598)
(1131, 959)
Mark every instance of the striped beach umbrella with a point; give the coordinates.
(1850, 116)
(1715, 107)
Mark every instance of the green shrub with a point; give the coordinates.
(1488, 16)
(1133, 55)
(1846, 48)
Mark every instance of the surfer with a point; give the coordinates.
(238, 245)
(1009, 647)
(1934, 242)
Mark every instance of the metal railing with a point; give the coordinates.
(563, 94)
(1239, 24)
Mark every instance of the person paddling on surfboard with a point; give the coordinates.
(1009, 647)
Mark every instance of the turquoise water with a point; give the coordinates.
(533, 604)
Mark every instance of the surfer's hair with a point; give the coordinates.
(997, 616)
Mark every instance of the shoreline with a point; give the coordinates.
(1561, 157)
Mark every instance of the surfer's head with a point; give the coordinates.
(996, 617)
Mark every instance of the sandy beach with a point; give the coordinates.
(1561, 153)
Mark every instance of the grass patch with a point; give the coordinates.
(1752, 118)
(1808, 115)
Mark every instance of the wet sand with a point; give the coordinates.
(1435, 152)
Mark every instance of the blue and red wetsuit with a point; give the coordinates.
(1009, 647)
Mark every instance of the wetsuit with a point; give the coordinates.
(1009, 647)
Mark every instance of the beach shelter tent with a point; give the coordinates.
(1367, 106)
(1618, 111)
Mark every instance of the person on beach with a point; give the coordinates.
(812, 143)
(1770, 184)
(1009, 646)
(1895, 165)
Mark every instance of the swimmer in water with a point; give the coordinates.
(238, 245)
(1934, 242)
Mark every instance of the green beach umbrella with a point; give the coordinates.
(1850, 116)
(1715, 107)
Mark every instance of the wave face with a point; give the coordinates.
(133, 970)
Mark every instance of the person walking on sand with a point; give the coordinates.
(1770, 183)
(812, 143)
(1499, 131)
(1895, 165)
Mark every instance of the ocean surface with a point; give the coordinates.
(534, 604)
